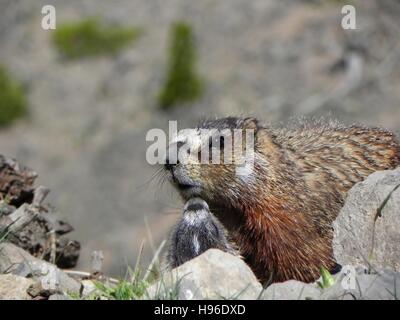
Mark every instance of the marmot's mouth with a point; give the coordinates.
(183, 186)
(187, 188)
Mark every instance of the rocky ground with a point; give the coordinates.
(366, 238)
(88, 118)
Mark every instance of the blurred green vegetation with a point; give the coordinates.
(90, 38)
(13, 104)
(182, 84)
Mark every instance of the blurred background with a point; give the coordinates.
(76, 102)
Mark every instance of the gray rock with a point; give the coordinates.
(355, 285)
(12, 258)
(88, 287)
(49, 279)
(292, 290)
(14, 287)
(382, 285)
(367, 230)
(212, 275)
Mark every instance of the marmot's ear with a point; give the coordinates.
(250, 123)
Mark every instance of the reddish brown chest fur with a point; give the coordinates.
(281, 246)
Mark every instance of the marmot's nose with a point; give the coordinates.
(175, 148)
(168, 165)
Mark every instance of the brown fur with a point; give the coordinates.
(282, 222)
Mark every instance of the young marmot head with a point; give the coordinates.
(197, 231)
(215, 160)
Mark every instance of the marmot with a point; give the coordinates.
(279, 213)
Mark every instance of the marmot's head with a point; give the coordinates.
(214, 161)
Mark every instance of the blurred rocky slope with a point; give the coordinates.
(271, 58)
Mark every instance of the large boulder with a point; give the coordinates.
(213, 275)
(367, 230)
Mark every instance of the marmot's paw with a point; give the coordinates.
(197, 231)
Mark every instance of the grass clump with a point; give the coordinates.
(13, 104)
(90, 38)
(137, 285)
(133, 287)
(136, 289)
(166, 288)
(326, 279)
(182, 81)
(124, 290)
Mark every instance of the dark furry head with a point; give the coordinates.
(196, 231)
